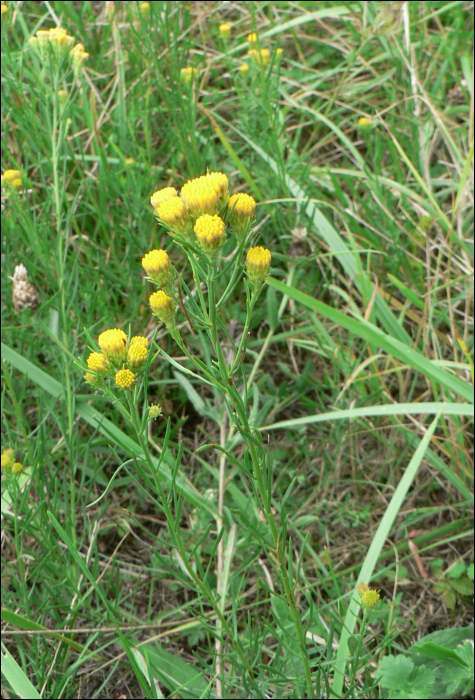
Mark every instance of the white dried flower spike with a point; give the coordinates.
(25, 295)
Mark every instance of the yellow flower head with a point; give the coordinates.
(173, 212)
(252, 39)
(7, 457)
(78, 57)
(188, 74)
(203, 194)
(154, 411)
(17, 467)
(261, 57)
(244, 68)
(369, 597)
(163, 307)
(157, 266)
(124, 379)
(4, 8)
(162, 195)
(97, 362)
(113, 344)
(137, 355)
(279, 51)
(139, 340)
(241, 207)
(225, 30)
(364, 123)
(258, 264)
(209, 231)
(144, 8)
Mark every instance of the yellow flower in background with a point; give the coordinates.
(139, 340)
(261, 57)
(113, 344)
(7, 457)
(12, 178)
(125, 379)
(188, 74)
(137, 355)
(4, 8)
(225, 30)
(209, 231)
(78, 57)
(144, 9)
(17, 467)
(174, 213)
(157, 266)
(364, 124)
(279, 51)
(163, 307)
(162, 195)
(252, 39)
(369, 597)
(258, 264)
(154, 411)
(244, 68)
(97, 362)
(241, 208)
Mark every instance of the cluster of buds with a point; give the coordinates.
(200, 212)
(259, 55)
(119, 358)
(9, 466)
(56, 43)
(11, 179)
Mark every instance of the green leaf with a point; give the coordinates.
(16, 677)
(368, 331)
(175, 673)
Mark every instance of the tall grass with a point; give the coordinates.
(357, 379)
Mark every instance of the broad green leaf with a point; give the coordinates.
(16, 677)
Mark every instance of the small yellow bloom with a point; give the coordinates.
(258, 264)
(173, 212)
(188, 74)
(241, 207)
(220, 181)
(252, 39)
(139, 340)
(364, 123)
(261, 57)
(162, 195)
(113, 344)
(203, 194)
(129, 162)
(144, 9)
(78, 57)
(369, 597)
(7, 458)
(154, 411)
(209, 231)
(156, 264)
(137, 355)
(17, 467)
(4, 8)
(97, 362)
(163, 307)
(125, 379)
(279, 51)
(225, 31)
(244, 68)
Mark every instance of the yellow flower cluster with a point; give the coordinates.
(58, 43)
(4, 8)
(260, 56)
(225, 30)
(202, 195)
(174, 213)
(120, 358)
(187, 74)
(258, 264)
(163, 307)
(12, 179)
(9, 464)
(209, 229)
(241, 208)
(162, 195)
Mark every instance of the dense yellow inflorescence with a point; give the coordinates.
(369, 596)
(241, 208)
(174, 213)
(12, 178)
(252, 39)
(78, 56)
(139, 340)
(137, 355)
(260, 56)
(258, 261)
(97, 362)
(156, 264)
(225, 30)
(124, 379)
(210, 231)
(163, 307)
(113, 343)
(162, 195)
(203, 194)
